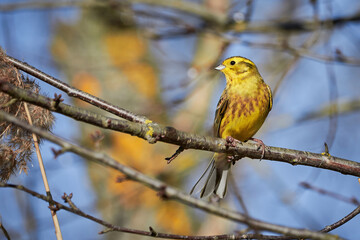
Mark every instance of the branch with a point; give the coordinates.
(153, 132)
(72, 92)
(46, 5)
(199, 11)
(4, 230)
(110, 227)
(43, 175)
(334, 195)
(304, 52)
(342, 221)
(286, 27)
(187, 7)
(166, 191)
(345, 219)
(344, 107)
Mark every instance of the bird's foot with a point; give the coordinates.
(261, 145)
(233, 158)
(231, 142)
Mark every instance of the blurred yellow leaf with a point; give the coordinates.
(143, 76)
(124, 47)
(136, 153)
(87, 83)
(166, 218)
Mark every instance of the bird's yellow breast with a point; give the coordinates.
(248, 107)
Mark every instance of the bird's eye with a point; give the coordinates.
(232, 63)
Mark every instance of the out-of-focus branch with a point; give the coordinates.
(334, 111)
(334, 195)
(153, 132)
(113, 228)
(294, 25)
(308, 43)
(197, 10)
(338, 57)
(337, 196)
(3, 229)
(304, 52)
(46, 5)
(165, 191)
(344, 107)
(188, 7)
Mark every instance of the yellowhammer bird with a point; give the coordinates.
(242, 109)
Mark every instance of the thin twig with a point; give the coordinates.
(167, 191)
(3, 229)
(335, 195)
(43, 175)
(67, 199)
(177, 153)
(342, 221)
(42, 169)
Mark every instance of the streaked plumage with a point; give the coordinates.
(242, 109)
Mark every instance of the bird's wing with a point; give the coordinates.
(270, 96)
(220, 111)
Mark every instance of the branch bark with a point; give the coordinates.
(342, 221)
(153, 132)
(72, 92)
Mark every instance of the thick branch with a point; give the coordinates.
(153, 132)
(165, 190)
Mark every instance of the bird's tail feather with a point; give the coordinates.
(221, 186)
(213, 180)
(200, 185)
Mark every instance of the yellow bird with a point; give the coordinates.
(242, 109)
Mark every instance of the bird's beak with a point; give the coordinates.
(220, 67)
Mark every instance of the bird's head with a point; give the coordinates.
(236, 66)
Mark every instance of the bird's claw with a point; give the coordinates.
(233, 158)
(231, 142)
(261, 145)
